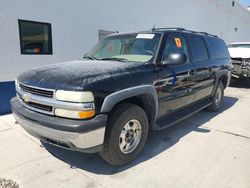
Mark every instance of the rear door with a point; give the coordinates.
(175, 84)
(203, 70)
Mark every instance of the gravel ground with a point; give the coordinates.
(6, 183)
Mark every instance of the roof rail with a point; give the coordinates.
(182, 29)
(201, 32)
(205, 33)
(170, 28)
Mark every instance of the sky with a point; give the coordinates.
(245, 2)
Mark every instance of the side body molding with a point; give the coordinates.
(111, 100)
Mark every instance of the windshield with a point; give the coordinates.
(239, 46)
(128, 47)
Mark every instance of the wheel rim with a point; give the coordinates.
(218, 96)
(130, 136)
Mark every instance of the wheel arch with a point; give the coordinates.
(224, 77)
(144, 96)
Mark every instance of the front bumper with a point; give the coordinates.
(81, 135)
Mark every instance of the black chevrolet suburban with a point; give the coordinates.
(128, 84)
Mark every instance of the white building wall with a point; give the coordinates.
(75, 24)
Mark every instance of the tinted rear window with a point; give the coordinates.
(218, 47)
(199, 49)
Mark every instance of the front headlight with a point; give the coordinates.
(85, 97)
(74, 114)
(74, 96)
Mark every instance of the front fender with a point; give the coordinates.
(111, 100)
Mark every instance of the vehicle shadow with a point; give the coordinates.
(158, 141)
(240, 83)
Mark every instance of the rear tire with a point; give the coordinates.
(126, 134)
(217, 98)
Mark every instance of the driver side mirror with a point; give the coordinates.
(174, 58)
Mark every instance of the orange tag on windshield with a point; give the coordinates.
(178, 42)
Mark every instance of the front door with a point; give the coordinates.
(176, 83)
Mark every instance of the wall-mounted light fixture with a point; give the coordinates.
(233, 3)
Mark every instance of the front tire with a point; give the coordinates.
(126, 134)
(217, 98)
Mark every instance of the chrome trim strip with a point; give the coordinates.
(38, 91)
(45, 89)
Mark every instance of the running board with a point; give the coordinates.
(180, 115)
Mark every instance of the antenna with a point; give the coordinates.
(153, 29)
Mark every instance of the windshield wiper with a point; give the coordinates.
(89, 57)
(105, 58)
(114, 58)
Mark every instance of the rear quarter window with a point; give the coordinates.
(218, 48)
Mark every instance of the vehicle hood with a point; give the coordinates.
(239, 52)
(74, 75)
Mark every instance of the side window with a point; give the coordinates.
(175, 44)
(198, 48)
(218, 47)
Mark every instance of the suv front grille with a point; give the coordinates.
(36, 91)
(40, 106)
(35, 98)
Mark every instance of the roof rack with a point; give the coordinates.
(169, 28)
(204, 33)
(182, 29)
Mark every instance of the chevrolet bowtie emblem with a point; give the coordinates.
(26, 97)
